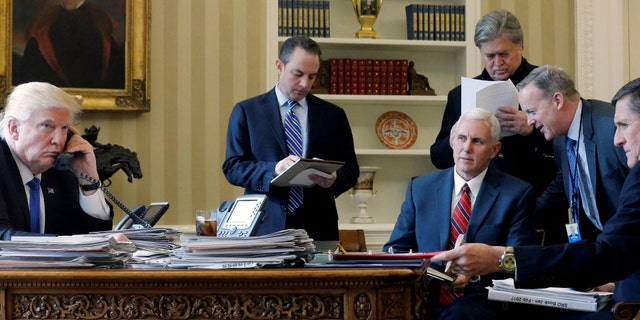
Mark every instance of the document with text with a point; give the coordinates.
(489, 95)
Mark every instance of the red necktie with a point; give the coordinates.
(459, 223)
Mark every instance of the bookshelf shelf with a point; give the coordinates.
(443, 62)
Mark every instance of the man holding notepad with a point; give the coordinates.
(269, 133)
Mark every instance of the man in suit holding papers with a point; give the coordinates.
(258, 150)
(497, 210)
(612, 256)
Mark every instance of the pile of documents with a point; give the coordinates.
(65, 252)
(286, 248)
(154, 246)
(564, 298)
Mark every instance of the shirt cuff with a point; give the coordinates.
(95, 205)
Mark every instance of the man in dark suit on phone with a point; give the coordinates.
(35, 198)
(257, 147)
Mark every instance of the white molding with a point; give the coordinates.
(600, 47)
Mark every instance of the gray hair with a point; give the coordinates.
(550, 79)
(484, 115)
(309, 46)
(32, 97)
(498, 24)
(632, 90)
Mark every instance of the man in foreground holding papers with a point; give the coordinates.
(258, 148)
(525, 154)
(34, 197)
(495, 207)
(612, 256)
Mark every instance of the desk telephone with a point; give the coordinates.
(139, 215)
(242, 216)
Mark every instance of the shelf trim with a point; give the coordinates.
(385, 99)
(421, 44)
(393, 152)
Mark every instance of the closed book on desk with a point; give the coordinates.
(563, 298)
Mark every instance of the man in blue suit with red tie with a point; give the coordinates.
(258, 148)
(500, 211)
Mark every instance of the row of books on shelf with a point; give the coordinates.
(304, 18)
(435, 22)
(368, 76)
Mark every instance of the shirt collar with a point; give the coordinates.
(282, 99)
(25, 173)
(474, 184)
(574, 130)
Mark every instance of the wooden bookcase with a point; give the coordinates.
(443, 62)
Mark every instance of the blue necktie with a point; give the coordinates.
(574, 186)
(294, 145)
(34, 204)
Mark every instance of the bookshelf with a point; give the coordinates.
(443, 62)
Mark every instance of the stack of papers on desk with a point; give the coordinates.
(279, 249)
(64, 252)
(154, 246)
(564, 298)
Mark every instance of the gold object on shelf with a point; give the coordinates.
(367, 12)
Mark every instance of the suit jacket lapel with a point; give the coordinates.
(442, 197)
(271, 111)
(15, 188)
(589, 145)
(484, 202)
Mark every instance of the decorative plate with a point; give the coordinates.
(396, 130)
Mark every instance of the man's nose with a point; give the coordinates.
(59, 137)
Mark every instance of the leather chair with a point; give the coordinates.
(626, 311)
(353, 240)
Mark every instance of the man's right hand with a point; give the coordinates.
(285, 163)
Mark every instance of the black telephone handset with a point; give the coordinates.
(63, 162)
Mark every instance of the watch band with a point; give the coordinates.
(90, 187)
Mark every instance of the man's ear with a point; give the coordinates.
(558, 99)
(14, 128)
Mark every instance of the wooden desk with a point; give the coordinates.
(388, 293)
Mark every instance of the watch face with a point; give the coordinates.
(509, 262)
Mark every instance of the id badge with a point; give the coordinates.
(573, 232)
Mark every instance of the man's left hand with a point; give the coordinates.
(514, 120)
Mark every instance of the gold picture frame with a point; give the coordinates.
(134, 93)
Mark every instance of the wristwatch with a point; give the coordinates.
(507, 261)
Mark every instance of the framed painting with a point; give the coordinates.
(95, 49)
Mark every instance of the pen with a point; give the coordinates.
(459, 241)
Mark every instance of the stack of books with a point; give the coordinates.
(304, 18)
(368, 76)
(286, 248)
(435, 22)
(563, 298)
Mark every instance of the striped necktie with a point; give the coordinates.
(459, 223)
(34, 204)
(294, 145)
